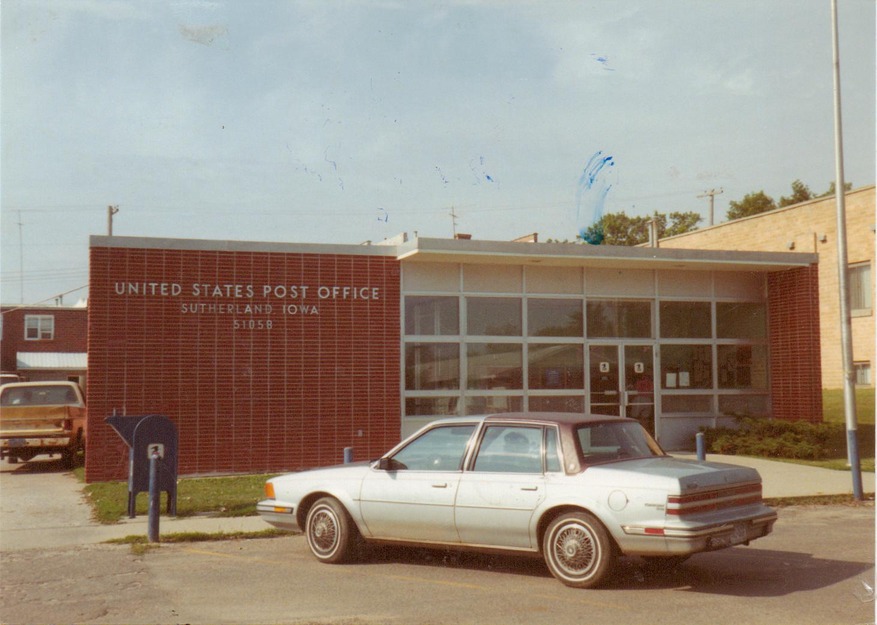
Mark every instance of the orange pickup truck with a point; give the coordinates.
(42, 418)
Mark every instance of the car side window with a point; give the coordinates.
(510, 449)
(552, 457)
(438, 449)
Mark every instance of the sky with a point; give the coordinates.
(331, 121)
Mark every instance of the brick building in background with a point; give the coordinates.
(270, 357)
(45, 342)
(812, 227)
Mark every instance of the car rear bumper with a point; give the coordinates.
(19, 442)
(278, 515)
(689, 539)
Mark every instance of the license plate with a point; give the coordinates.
(739, 534)
(17, 442)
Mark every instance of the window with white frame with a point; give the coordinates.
(860, 288)
(39, 327)
(863, 373)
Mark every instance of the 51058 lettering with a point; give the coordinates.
(253, 324)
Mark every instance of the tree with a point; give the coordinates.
(680, 223)
(621, 229)
(758, 202)
(751, 204)
(832, 189)
(800, 193)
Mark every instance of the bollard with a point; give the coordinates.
(701, 446)
(154, 498)
(348, 455)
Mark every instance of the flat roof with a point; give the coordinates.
(582, 255)
(422, 249)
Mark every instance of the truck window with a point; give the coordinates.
(38, 396)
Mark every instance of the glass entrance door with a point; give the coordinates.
(622, 382)
(639, 385)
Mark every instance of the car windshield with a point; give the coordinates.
(615, 440)
(38, 396)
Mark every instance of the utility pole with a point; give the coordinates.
(711, 194)
(111, 210)
(453, 222)
(846, 335)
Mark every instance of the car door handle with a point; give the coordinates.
(440, 485)
(529, 488)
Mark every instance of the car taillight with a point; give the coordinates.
(269, 490)
(679, 505)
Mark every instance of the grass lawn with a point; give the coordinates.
(216, 496)
(833, 405)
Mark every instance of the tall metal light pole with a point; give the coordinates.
(843, 275)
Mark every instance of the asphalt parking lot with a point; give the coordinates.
(817, 567)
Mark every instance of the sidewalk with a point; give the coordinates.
(786, 479)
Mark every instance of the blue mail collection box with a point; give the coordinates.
(145, 435)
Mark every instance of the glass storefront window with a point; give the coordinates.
(493, 316)
(489, 404)
(429, 406)
(556, 366)
(744, 405)
(742, 366)
(686, 320)
(687, 403)
(619, 319)
(686, 366)
(494, 365)
(554, 317)
(432, 315)
(432, 366)
(565, 403)
(741, 320)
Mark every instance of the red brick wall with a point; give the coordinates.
(71, 331)
(284, 390)
(793, 320)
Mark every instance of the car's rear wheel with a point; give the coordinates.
(331, 533)
(578, 550)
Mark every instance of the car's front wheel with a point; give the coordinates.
(578, 550)
(331, 533)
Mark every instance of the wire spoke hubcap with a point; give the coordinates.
(574, 549)
(324, 530)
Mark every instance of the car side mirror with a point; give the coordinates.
(388, 464)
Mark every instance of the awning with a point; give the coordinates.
(74, 361)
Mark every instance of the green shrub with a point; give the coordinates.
(774, 439)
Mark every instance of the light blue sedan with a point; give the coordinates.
(577, 490)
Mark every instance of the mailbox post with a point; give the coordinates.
(149, 436)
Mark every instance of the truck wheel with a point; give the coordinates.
(12, 459)
(68, 458)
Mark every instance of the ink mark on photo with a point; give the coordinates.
(479, 172)
(604, 61)
(591, 196)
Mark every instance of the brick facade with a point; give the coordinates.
(793, 322)
(809, 227)
(70, 336)
(266, 361)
